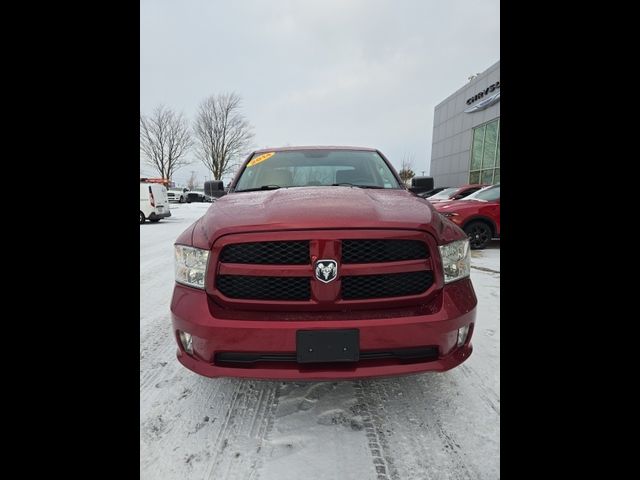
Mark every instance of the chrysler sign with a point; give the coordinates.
(484, 99)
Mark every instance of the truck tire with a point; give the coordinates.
(142, 219)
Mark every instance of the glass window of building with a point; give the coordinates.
(485, 154)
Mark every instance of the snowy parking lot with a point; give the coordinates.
(427, 426)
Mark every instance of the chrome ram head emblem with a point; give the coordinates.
(326, 270)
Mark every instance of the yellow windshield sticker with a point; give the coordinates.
(260, 158)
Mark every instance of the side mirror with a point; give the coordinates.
(214, 188)
(421, 184)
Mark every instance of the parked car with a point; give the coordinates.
(193, 196)
(432, 192)
(154, 203)
(320, 265)
(177, 195)
(456, 193)
(478, 215)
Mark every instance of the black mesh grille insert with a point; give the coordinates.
(390, 285)
(372, 251)
(279, 253)
(264, 288)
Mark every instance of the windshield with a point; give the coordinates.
(307, 168)
(444, 194)
(488, 194)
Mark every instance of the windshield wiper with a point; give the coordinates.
(263, 187)
(353, 185)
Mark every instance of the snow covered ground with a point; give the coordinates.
(428, 426)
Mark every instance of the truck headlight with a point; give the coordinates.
(191, 265)
(456, 260)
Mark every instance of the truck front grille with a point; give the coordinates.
(383, 286)
(264, 288)
(375, 251)
(267, 253)
(282, 270)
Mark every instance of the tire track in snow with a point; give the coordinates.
(221, 442)
(153, 367)
(157, 351)
(442, 410)
(488, 395)
(263, 428)
(377, 440)
(248, 421)
(415, 442)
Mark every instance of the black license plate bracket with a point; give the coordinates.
(320, 346)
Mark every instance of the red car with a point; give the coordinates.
(320, 265)
(478, 215)
(456, 193)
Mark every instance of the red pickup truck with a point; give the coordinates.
(320, 265)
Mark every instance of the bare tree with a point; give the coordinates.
(406, 172)
(193, 182)
(165, 140)
(223, 134)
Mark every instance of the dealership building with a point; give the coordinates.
(466, 133)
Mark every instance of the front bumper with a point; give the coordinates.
(191, 312)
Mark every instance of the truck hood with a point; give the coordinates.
(299, 208)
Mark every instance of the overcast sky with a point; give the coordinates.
(329, 72)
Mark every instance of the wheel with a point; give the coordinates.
(142, 219)
(155, 220)
(181, 199)
(479, 234)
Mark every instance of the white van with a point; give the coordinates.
(154, 203)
